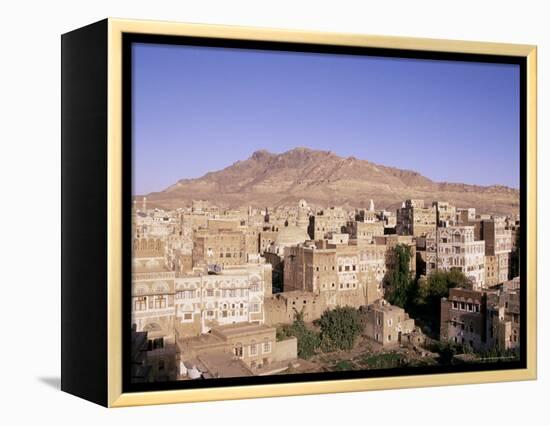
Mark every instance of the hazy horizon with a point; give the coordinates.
(449, 121)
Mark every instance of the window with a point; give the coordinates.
(160, 302)
(140, 303)
(209, 313)
(209, 292)
(389, 337)
(188, 316)
(187, 294)
(266, 347)
(254, 307)
(161, 365)
(253, 349)
(153, 344)
(238, 351)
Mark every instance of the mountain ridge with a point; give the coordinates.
(324, 179)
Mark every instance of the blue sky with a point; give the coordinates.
(200, 109)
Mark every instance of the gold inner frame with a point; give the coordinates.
(116, 398)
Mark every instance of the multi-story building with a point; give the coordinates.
(153, 305)
(345, 275)
(483, 320)
(491, 271)
(465, 215)
(327, 221)
(267, 238)
(457, 249)
(234, 295)
(503, 318)
(219, 246)
(390, 221)
(498, 244)
(365, 231)
(446, 213)
(387, 324)
(413, 218)
(464, 318)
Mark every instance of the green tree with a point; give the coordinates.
(339, 328)
(426, 303)
(400, 287)
(447, 351)
(308, 340)
(438, 285)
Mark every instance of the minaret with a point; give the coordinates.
(371, 205)
(303, 216)
(144, 205)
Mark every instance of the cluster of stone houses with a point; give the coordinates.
(210, 285)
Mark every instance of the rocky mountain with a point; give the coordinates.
(325, 179)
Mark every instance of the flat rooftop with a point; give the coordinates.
(241, 329)
(222, 364)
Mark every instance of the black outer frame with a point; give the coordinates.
(129, 38)
(84, 212)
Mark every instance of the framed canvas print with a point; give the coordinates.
(255, 212)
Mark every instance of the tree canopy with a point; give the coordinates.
(438, 285)
(400, 286)
(339, 328)
(308, 340)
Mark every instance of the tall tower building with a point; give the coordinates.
(303, 215)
